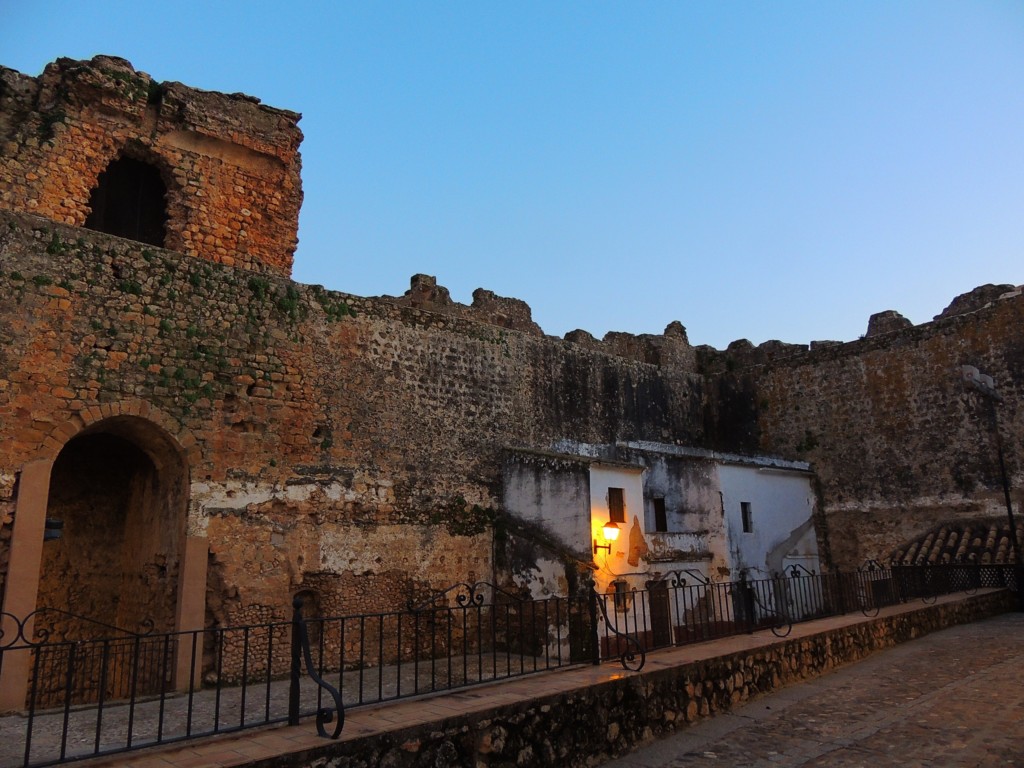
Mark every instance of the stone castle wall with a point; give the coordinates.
(335, 437)
(355, 444)
(897, 441)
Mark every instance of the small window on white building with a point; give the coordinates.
(748, 522)
(660, 518)
(616, 505)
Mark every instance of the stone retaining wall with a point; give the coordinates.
(587, 726)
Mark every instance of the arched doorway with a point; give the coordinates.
(129, 200)
(119, 488)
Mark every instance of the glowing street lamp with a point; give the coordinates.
(611, 533)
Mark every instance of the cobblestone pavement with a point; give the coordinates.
(952, 698)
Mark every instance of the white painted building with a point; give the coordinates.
(679, 512)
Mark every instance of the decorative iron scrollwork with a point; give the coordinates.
(464, 594)
(41, 635)
(17, 634)
(677, 578)
(796, 570)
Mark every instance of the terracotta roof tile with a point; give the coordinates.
(978, 541)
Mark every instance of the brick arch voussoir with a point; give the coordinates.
(182, 436)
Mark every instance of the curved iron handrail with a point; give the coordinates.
(779, 629)
(932, 597)
(869, 609)
(323, 714)
(785, 624)
(973, 575)
(796, 571)
(862, 596)
(627, 658)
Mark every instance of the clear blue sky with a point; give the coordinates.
(755, 170)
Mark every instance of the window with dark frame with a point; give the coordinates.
(748, 523)
(616, 505)
(660, 518)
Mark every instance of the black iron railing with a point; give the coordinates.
(685, 607)
(132, 689)
(126, 690)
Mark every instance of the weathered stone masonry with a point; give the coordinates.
(230, 165)
(312, 411)
(285, 437)
(897, 443)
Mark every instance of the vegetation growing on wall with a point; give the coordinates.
(463, 519)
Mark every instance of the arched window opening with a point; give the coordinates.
(129, 201)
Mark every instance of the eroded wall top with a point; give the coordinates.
(225, 169)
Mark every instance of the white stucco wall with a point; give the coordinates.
(552, 493)
(694, 539)
(567, 496)
(782, 508)
(631, 480)
(554, 496)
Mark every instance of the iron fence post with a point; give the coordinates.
(746, 603)
(293, 687)
(595, 641)
(1018, 570)
(836, 585)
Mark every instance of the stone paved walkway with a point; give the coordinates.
(952, 698)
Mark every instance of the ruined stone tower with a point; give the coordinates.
(100, 145)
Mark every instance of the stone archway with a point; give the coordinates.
(119, 476)
(120, 489)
